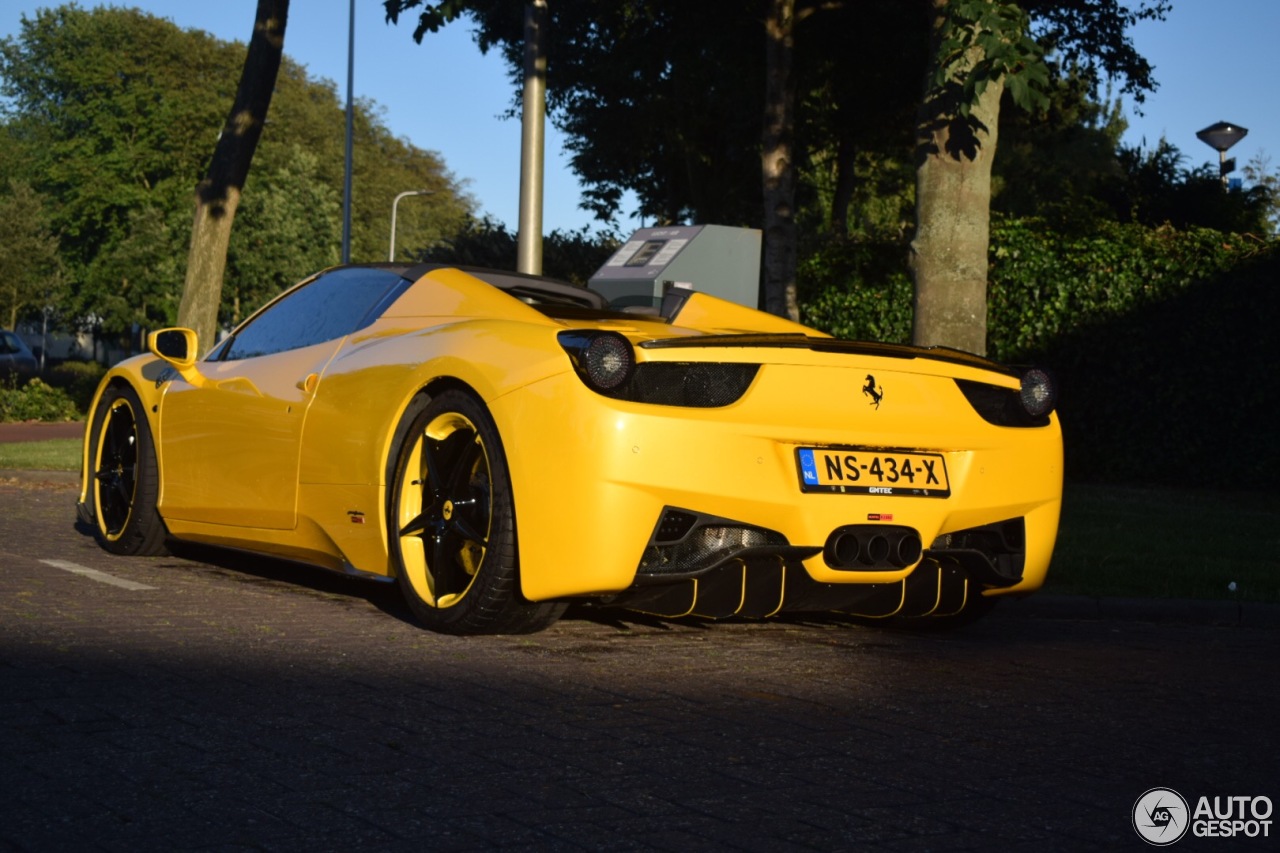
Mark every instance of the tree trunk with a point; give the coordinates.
(776, 164)
(218, 195)
(953, 212)
(846, 183)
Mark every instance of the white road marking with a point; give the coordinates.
(94, 574)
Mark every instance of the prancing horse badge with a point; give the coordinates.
(871, 390)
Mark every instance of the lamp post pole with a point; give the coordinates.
(532, 138)
(391, 255)
(346, 173)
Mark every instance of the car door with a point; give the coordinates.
(229, 446)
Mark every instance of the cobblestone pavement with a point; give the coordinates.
(227, 703)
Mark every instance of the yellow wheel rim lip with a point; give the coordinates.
(105, 428)
(411, 490)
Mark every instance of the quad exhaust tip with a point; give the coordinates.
(872, 547)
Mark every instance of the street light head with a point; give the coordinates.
(395, 202)
(1222, 135)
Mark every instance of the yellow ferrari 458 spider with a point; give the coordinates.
(501, 445)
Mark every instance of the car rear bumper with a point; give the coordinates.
(593, 476)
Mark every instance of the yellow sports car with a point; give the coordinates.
(501, 445)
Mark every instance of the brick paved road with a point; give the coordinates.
(247, 705)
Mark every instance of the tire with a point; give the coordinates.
(452, 533)
(125, 483)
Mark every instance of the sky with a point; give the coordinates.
(1215, 60)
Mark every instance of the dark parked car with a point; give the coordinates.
(16, 358)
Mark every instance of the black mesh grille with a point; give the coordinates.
(705, 385)
(999, 548)
(706, 547)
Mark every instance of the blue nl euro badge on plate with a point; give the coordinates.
(808, 468)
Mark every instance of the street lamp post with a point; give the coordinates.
(1220, 137)
(347, 168)
(391, 256)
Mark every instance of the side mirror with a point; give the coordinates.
(176, 346)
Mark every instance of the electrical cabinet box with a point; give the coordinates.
(714, 259)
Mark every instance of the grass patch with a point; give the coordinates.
(55, 454)
(1167, 543)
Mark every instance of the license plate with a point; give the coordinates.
(863, 471)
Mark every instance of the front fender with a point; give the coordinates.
(148, 376)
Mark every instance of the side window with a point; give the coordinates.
(7, 346)
(333, 305)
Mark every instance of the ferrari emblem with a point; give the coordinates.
(447, 511)
(876, 393)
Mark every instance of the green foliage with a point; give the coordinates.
(983, 41)
(1154, 188)
(115, 142)
(29, 270)
(1159, 338)
(1091, 37)
(1045, 285)
(35, 401)
(79, 379)
(1059, 163)
(1161, 342)
(571, 256)
(1259, 174)
(289, 225)
(856, 289)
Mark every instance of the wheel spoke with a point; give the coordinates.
(439, 457)
(430, 473)
(468, 531)
(443, 565)
(418, 526)
(463, 465)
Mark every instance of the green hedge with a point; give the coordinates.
(1159, 338)
(79, 379)
(35, 401)
(856, 290)
(1046, 285)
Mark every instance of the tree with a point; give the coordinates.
(218, 195)
(777, 167)
(28, 252)
(1258, 172)
(1155, 189)
(291, 220)
(981, 48)
(115, 140)
(1060, 164)
(108, 134)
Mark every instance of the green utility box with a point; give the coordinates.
(714, 259)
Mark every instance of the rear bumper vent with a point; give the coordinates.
(685, 544)
(993, 554)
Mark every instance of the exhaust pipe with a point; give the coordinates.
(872, 547)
